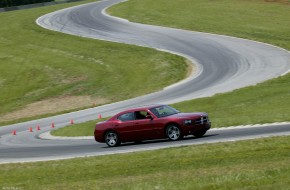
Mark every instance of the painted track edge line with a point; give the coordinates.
(213, 34)
(145, 149)
(194, 74)
(47, 135)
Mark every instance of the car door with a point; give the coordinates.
(124, 126)
(139, 128)
(144, 126)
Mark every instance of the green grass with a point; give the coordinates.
(264, 103)
(252, 19)
(256, 164)
(37, 64)
(267, 102)
(261, 20)
(75, 130)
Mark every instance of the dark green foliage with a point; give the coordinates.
(10, 3)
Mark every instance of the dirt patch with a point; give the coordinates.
(53, 105)
(191, 68)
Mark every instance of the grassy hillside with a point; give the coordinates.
(264, 103)
(256, 164)
(261, 20)
(44, 72)
(265, 21)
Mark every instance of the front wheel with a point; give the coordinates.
(112, 139)
(173, 132)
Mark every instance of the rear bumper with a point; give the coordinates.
(98, 137)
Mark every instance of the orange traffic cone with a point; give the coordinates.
(99, 116)
(71, 121)
(38, 128)
(14, 132)
(30, 129)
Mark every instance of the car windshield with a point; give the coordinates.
(164, 111)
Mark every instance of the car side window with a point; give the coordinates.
(155, 112)
(141, 114)
(127, 117)
(163, 111)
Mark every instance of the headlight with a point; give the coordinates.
(187, 122)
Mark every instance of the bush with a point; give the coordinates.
(10, 3)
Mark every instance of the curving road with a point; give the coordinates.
(224, 64)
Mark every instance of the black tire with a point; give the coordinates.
(138, 142)
(199, 133)
(112, 139)
(173, 132)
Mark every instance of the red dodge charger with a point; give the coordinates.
(153, 122)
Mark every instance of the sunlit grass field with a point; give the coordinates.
(261, 20)
(267, 102)
(40, 66)
(265, 21)
(256, 164)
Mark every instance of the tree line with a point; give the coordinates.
(10, 3)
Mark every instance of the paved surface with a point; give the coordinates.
(224, 64)
(26, 147)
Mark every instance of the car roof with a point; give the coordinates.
(144, 107)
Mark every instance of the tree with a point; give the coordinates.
(10, 3)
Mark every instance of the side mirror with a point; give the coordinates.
(149, 117)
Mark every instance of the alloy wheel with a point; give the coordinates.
(173, 132)
(112, 139)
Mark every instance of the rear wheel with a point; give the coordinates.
(199, 133)
(173, 132)
(112, 139)
(138, 142)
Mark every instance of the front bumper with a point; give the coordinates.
(194, 127)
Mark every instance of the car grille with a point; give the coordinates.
(202, 120)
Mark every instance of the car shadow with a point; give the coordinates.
(155, 141)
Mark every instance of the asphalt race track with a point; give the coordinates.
(224, 64)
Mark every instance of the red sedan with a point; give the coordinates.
(154, 122)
